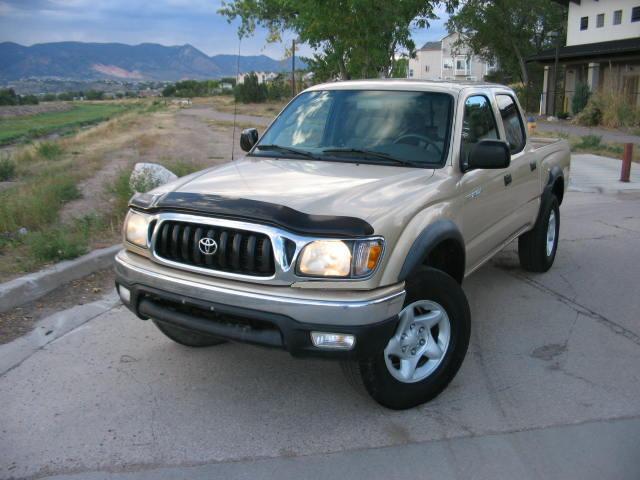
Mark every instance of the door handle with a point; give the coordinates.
(533, 165)
(507, 179)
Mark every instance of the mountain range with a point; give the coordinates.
(117, 61)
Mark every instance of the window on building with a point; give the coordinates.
(617, 17)
(463, 65)
(512, 121)
(447, 64)
(600, 20)
(426, 68)
(411, 72)
(635, 14)
(584, 23)
(478, 124)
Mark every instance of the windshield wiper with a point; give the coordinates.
(369, 153)
(280, 148)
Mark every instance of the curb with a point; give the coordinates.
(30, 287)
(52, 328)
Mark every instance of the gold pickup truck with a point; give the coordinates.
(348, 228)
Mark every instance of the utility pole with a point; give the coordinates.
(293, 67)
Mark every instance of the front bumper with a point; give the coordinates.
(280, 317)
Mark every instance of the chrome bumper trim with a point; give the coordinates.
(338, 307)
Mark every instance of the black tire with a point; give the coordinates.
(188, 338)
(437, 286)
(532, 246)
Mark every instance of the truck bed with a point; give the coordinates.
(539, 142)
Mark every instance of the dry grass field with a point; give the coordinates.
(60, 198)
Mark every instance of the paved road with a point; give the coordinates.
(549, 389)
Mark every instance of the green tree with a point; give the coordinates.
(509, 30)
(95, 95)
(354, 38)
(400, 68)
(28, 100)
(8, 97)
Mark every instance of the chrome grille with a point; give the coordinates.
(238, 251)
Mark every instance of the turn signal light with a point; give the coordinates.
(338, 341)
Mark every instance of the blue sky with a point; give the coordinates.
(168, 22)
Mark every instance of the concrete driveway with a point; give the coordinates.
(550, 388)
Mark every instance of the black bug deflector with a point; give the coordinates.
(257, 211)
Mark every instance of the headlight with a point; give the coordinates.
(136, 229)
(340, 258)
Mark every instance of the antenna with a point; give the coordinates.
(235, 102)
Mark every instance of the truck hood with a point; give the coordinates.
(314, 187)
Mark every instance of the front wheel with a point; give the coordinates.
(427, 348)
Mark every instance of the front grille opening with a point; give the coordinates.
(247, 324)
(235, 251)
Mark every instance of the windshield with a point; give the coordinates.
(385, 127)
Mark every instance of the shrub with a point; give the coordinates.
(49, 150)
(278, 90)
(7, 169)
(591, 115)
(251, 91)
(580, 98)
(609, 108)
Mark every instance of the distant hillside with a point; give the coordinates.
(147, 61)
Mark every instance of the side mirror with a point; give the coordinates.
(489, 154)
(248, 139)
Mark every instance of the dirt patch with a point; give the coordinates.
(23, 110)
(20, 320)
(177, 136)
(226, 104)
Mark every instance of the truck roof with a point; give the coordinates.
(450, 86)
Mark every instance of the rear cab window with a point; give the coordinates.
(512, 122)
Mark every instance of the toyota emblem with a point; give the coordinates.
(208, 246)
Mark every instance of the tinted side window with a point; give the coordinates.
(513, 127)
(478, 124)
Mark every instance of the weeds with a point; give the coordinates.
(56, 245)
(49, 150)
(590, 141)
(7, 169)
(122, 192)
(180, 167)
(36, 204)
(593, 144)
